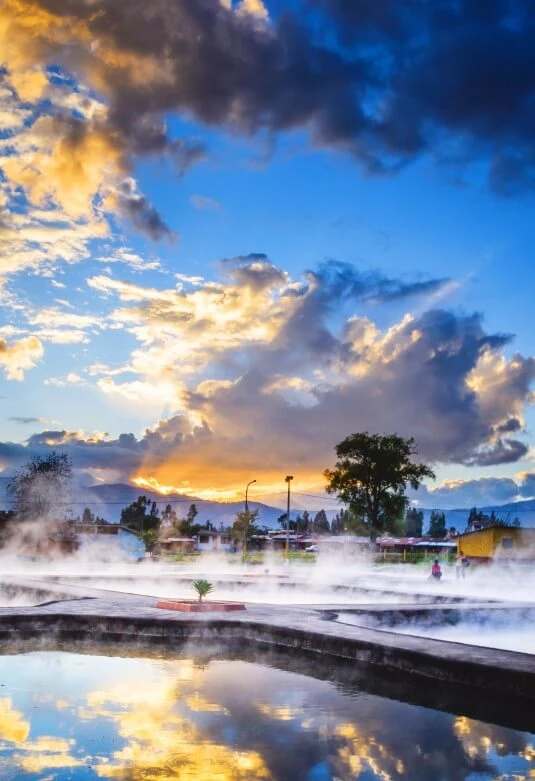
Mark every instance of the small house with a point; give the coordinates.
(177, 545)
(106, 540)
(498, 543)
(208, 540)
(414, 548)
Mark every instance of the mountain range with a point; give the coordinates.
(108, 499)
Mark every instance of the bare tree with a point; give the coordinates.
(40, 490)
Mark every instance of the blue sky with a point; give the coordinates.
(231, 236)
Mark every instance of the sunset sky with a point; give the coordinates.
(233, 233)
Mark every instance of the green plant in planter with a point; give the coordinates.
(202, 587)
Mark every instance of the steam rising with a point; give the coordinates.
(333, 581)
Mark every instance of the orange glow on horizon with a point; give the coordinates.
(269, 487)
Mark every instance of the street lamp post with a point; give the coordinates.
(246, 491)
(247, 516)
(288, 479)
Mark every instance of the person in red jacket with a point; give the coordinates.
(436, 572)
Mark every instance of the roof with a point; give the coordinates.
(423, 542)
(496, 526)
(178, 539)
(344, 539)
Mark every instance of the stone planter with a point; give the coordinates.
(194, 606)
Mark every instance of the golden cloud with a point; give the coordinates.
(67, 163)
(35, 763)
(29, 84)
(233, 378)
(165, 744)
(21, 355)
(13, 726)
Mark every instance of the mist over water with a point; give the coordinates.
(505, 638)
(332, 580)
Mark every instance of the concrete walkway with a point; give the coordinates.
(500, 680)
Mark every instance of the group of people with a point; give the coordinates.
(461, 563)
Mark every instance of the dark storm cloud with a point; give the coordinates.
(466, 67)
(141, 212)
(479, 492)
(513, 424)
(47, 437)
(125, 454)
(505, 451)
(527, 484)
(222, 67)
(462, 493)
(254, 271)
(251, 257)
(455, 76)
(395, 290)
(337, 280)
(414, 380)
(332, 286)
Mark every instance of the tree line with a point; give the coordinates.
(370, 478)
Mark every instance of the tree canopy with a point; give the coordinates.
(414, 522)
(437, 525)
(320, 524)
(142, 515)
(244, 526)
(40, 490)
(371, 475)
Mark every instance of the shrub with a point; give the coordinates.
(202, 587)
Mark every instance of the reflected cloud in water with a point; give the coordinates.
(74, 716)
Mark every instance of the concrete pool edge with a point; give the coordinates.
(502, 673)
(453, 676)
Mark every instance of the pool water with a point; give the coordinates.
(505, 633)
(75, 716)
(508, 638)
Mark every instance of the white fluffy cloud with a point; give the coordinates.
(19, 355)
(253, 370)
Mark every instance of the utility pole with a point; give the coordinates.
(247, 517)
(288, 480)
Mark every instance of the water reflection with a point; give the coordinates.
(71, 716)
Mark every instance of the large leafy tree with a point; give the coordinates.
(371, 475)
(41, 489)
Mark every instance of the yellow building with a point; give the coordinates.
(497, 543)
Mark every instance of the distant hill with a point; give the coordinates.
(458, 518)
(108, 499)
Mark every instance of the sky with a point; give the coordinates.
(233, 233)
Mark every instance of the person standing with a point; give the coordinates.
(460, 565)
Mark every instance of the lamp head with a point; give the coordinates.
(288, 478)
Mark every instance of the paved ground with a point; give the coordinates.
(97, 604)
